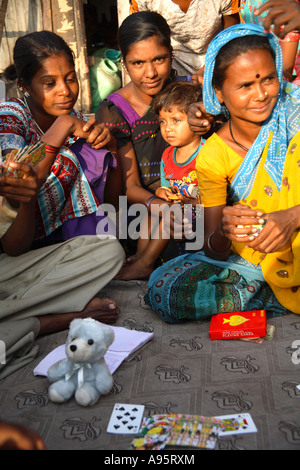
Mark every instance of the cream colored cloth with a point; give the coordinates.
(59, 278)
(55, 279)
(7, 215)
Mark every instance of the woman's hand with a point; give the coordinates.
(277, 231)
(198, 120)
(99, 136)
(96, 134)
(238, 223)
(22, 189)
(284, 13)
(21, 193)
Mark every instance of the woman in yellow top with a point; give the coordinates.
(247, 174)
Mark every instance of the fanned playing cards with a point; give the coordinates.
(190, 431)
(30, 154)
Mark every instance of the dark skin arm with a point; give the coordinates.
(135, 191)
(130, 176)
(95, 134)
(64, 126)
(23, 192)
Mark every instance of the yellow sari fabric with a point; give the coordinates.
(281, 269)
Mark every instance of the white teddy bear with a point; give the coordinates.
(84, 372)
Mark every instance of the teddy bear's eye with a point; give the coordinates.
(90, 342)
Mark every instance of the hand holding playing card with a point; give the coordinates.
(22, 189)
(30, 154)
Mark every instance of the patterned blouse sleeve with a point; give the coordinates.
(108, 114)
(13, 126)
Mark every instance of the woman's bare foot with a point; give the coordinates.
(133, 258)
(137, 270)
(104, 310)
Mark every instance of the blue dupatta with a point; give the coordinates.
(284, 121)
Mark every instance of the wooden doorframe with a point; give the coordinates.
(3, 8)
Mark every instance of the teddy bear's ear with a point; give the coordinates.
(109, 335)
(74, 325)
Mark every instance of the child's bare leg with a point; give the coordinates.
(104, 310)
(141, 247)
(143, 266)
(143, 241)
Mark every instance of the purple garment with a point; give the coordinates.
(95, 164)
(126, 109)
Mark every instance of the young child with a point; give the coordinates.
(178, 175)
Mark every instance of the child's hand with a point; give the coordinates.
(164, 193)
(22, 190)
(187, 200)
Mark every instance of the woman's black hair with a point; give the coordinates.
(232, 50)
(140, 26)
(31, 50)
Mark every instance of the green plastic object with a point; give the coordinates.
(105, 75)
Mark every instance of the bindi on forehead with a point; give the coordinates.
(257, 75)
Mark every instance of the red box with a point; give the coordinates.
(238, 325)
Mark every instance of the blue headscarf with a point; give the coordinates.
(284, 121)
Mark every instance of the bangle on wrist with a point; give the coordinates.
(217, 254)
(51, 149)
(148, 202)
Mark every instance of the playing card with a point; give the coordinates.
(236, 424)
(194, 430)
(30, 154)
(125, 419)
(154, 432)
